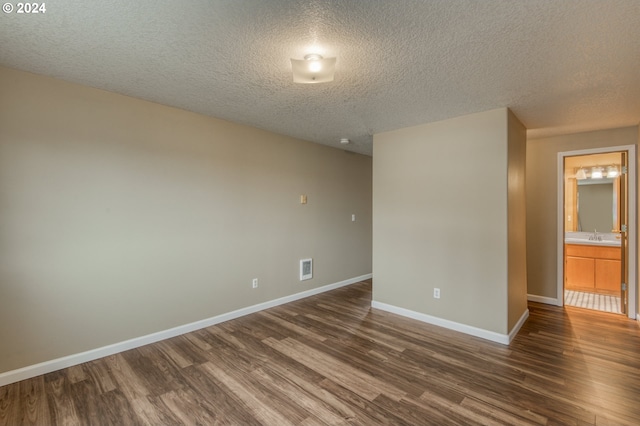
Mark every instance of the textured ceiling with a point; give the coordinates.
(561, 66)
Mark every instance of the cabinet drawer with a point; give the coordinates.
(595, 252)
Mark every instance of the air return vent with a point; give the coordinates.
(306, 269)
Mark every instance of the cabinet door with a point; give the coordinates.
(579, 273)
(608, 276)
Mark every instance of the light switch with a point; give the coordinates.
(303, 199)
(353, 218)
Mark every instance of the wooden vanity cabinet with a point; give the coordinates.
(595, 269)
(579, 273)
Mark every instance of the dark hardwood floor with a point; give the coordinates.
(331, 359)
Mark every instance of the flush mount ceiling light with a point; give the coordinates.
(313, 69)
(344, 141)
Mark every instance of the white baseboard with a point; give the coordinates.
(516, 328)
(75, 359)
(505, 339)
(543, 299)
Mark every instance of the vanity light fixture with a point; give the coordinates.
(313, 69)
(581, 174)
(596, 173)
(612, 172)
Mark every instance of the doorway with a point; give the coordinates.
(597, 230)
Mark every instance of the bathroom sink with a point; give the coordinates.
(586, 241)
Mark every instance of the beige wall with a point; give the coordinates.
(542, 199)
(440, 219)
(122, 217)
(517, 228)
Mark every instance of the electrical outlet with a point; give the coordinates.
(436, 293)
(254, 283)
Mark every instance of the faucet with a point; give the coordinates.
(595, 236)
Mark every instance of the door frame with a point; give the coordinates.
(632, 233)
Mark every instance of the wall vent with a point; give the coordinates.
(306, 269)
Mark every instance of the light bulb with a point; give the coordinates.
(596, 173)
(315, 66)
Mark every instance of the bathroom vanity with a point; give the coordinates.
(593, 265)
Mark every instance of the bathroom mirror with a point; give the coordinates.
(596, 205)
(599, 196)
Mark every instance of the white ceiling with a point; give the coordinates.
(560, 65)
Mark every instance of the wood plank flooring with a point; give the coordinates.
(331, 359)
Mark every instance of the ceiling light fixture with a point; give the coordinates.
(344, 141)
(313, 69)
